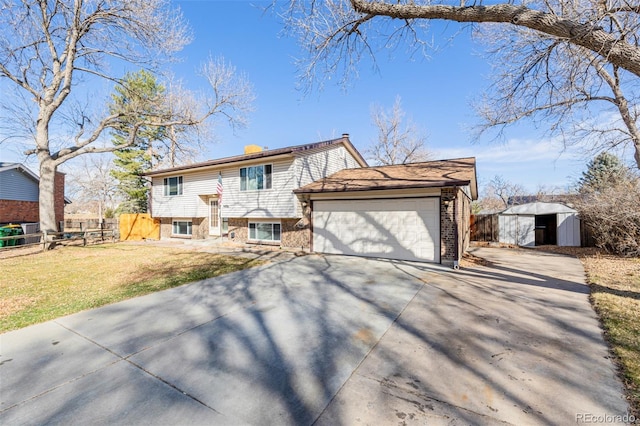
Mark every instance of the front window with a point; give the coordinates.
(264, 231)
(173, 186)
(181, 227)
(255, 177)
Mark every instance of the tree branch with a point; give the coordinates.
(617, 51)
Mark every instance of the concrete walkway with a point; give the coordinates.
(327, 339)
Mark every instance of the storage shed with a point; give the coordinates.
(535, 224)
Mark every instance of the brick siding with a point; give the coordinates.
(199, 228)
(238, 230)
(59, 196)
(295, 236)
(28, 211)
(462, 215)
(12, 211)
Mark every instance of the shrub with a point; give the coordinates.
(612, 214)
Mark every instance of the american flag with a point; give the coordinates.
(219, 188)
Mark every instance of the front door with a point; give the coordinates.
(214, 217)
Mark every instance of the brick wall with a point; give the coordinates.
(294, 236)
(199, 228)
(28, 211)
(12, 211)
(462, 215)
(447, 227)
(238, 230)
(291, 235)
(59, 196)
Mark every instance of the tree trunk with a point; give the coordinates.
(46, 198)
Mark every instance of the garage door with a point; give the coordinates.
(407, 229)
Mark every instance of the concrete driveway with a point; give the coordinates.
(326, 339)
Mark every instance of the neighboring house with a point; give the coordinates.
(19, 195)
(539, 223)
(322, 197)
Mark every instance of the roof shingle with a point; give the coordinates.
(430, 174)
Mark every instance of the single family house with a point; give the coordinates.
(321, 197)
(19, 194)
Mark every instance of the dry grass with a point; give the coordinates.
(615, 295)
(44, 286)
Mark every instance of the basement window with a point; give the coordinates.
(264, 231)
(181, 227)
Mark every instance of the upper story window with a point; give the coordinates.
(255, 177)
(173, 186)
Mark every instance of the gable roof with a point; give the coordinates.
(20, 167)
(266, 154)
(429, 174)
(4, 166)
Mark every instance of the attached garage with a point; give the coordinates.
(414, 212)
(406, 228)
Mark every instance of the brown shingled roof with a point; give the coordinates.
(430, 174)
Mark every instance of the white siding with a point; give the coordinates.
(275, 202)
(196, 187)
(318, 163)
(321, 162)
(199, 186)
(517, 229)
(568, 230)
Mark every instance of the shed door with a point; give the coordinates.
(406, 229)
(568, 230)
(517, 229)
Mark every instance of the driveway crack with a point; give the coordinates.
(127, 360)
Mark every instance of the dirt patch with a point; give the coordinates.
(13, 304)
(470, 260)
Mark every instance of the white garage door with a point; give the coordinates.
(407, 229)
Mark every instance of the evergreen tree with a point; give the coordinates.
(604, 171)
(140, 94)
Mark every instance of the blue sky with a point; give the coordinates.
(436, 93)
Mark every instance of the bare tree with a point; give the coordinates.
(92, 183)
(500, 194)
(399, 141)
(611, 213)
(53, 51)
(556, 59)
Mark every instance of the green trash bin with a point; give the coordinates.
(5, 232)
(17, 230)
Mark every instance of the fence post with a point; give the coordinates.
(44, 240)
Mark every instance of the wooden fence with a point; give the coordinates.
(484, 227)
(84, 238)
(139, 226)
(80, 224)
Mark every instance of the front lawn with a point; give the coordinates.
(44, 286)
(615, 295)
